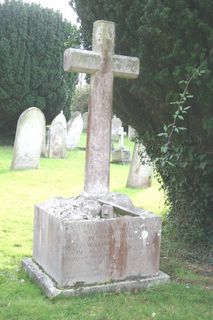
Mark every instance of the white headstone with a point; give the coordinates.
(57, 137)
(121, 135)
(140, 175)
(74, 131)
(131, 133)
(116, 125)
(44, 143)
(30, 134)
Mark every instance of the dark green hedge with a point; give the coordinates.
(31, 62)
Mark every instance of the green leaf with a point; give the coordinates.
(180, 117)
(162, 134)
(187, 108)
(164, 148)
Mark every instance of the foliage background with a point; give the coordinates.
(32, 42)
(80, 99)
(172, 39)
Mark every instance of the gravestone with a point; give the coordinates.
(121, 154)
(140, 175)
(131, 133)
(74, 131)
(116, 125)
(45, 143)
(29, 137)
(85, 121)
(98, 241)
(57, 137)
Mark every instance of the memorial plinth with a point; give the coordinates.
(76, 248)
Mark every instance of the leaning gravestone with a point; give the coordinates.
(97, 241)
(74, 131)
(57, 137)
(30, 134)
(140, 175)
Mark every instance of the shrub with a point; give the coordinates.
(31, 62)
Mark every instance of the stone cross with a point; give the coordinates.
(103, 65)
(121, 134)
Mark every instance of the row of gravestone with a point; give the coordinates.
(34, 139)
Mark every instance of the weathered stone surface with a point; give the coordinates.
(77, 60)
(115, 197)
(44, 145)
(121, 153)
(116, 125)
(57, 137)
(85, 120)
(131, 133)
(107, 211)
(121, 156)
(103, 65)
(52, 290)
(29, 138)
(140, 175)
(88, 250)
(74, 131)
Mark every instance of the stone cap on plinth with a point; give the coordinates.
(88, 206)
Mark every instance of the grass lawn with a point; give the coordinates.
(188, 296)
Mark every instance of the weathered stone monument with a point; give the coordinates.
(103, 65)
(116, 124)
(140, 175)
(30, 134)
(57, 137)
(131, 133)
(98, 241)
(74, 131)
(121, 154)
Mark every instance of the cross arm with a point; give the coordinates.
(84, 61)
(125, 67)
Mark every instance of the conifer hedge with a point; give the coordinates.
(32, 42)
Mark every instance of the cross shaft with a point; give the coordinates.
(103, 65)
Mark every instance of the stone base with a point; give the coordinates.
(121, 156)
(52, 290)
(75, 243)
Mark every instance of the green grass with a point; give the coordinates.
(188, 296)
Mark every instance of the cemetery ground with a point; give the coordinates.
(188, 296)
